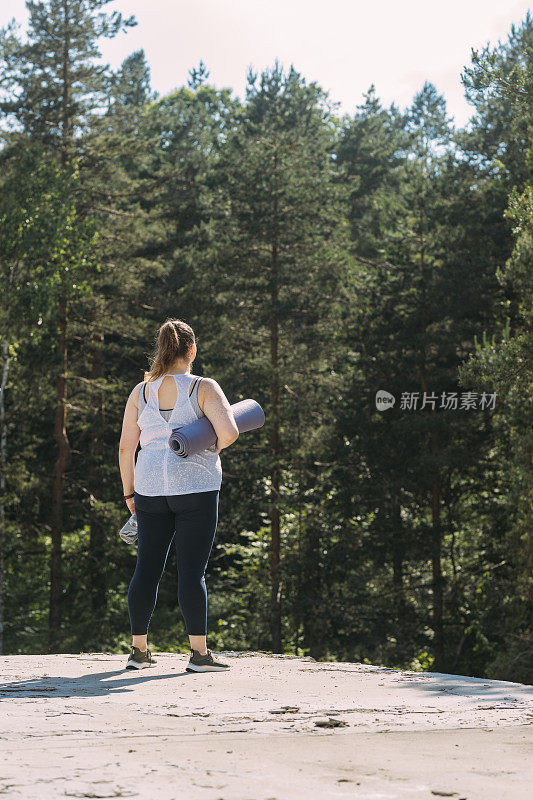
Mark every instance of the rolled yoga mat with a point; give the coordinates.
(188, 440)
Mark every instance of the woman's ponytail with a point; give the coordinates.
(173, 343)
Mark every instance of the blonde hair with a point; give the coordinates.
(173, 341)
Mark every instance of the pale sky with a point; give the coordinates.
(343, 45)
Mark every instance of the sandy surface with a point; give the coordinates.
(83, 726)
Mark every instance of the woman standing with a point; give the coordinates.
(173, 496)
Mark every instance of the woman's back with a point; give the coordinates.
(159, 471)
(167, 396)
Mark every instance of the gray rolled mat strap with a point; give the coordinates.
(188, 440)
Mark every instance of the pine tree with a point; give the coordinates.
(500, 85)
(56, 85)
(278, 266)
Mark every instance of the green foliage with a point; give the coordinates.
(319, 259)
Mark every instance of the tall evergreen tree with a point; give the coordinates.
(279, 266)
(46, 252)
(55, 85)
(500, 85)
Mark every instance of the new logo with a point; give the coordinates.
(384, 400)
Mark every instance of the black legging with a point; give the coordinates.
(193, 519)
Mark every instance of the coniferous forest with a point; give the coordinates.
(322, 260)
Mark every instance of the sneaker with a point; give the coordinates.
(205, 663)
(139, 659)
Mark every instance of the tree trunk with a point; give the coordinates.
(275, 525)
(438, 598)
(436, 533)
(275, 522)
(3, 467)
(299, 583)
(60, 467)
(397, 561)
(60, 431)
(97, 543)
(314, 619)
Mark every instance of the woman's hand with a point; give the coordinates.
(130, 502)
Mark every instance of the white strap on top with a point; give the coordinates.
(153, 390)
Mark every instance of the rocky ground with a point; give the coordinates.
(271, 727)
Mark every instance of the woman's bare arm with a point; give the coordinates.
(129, 440)
(217, 409)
